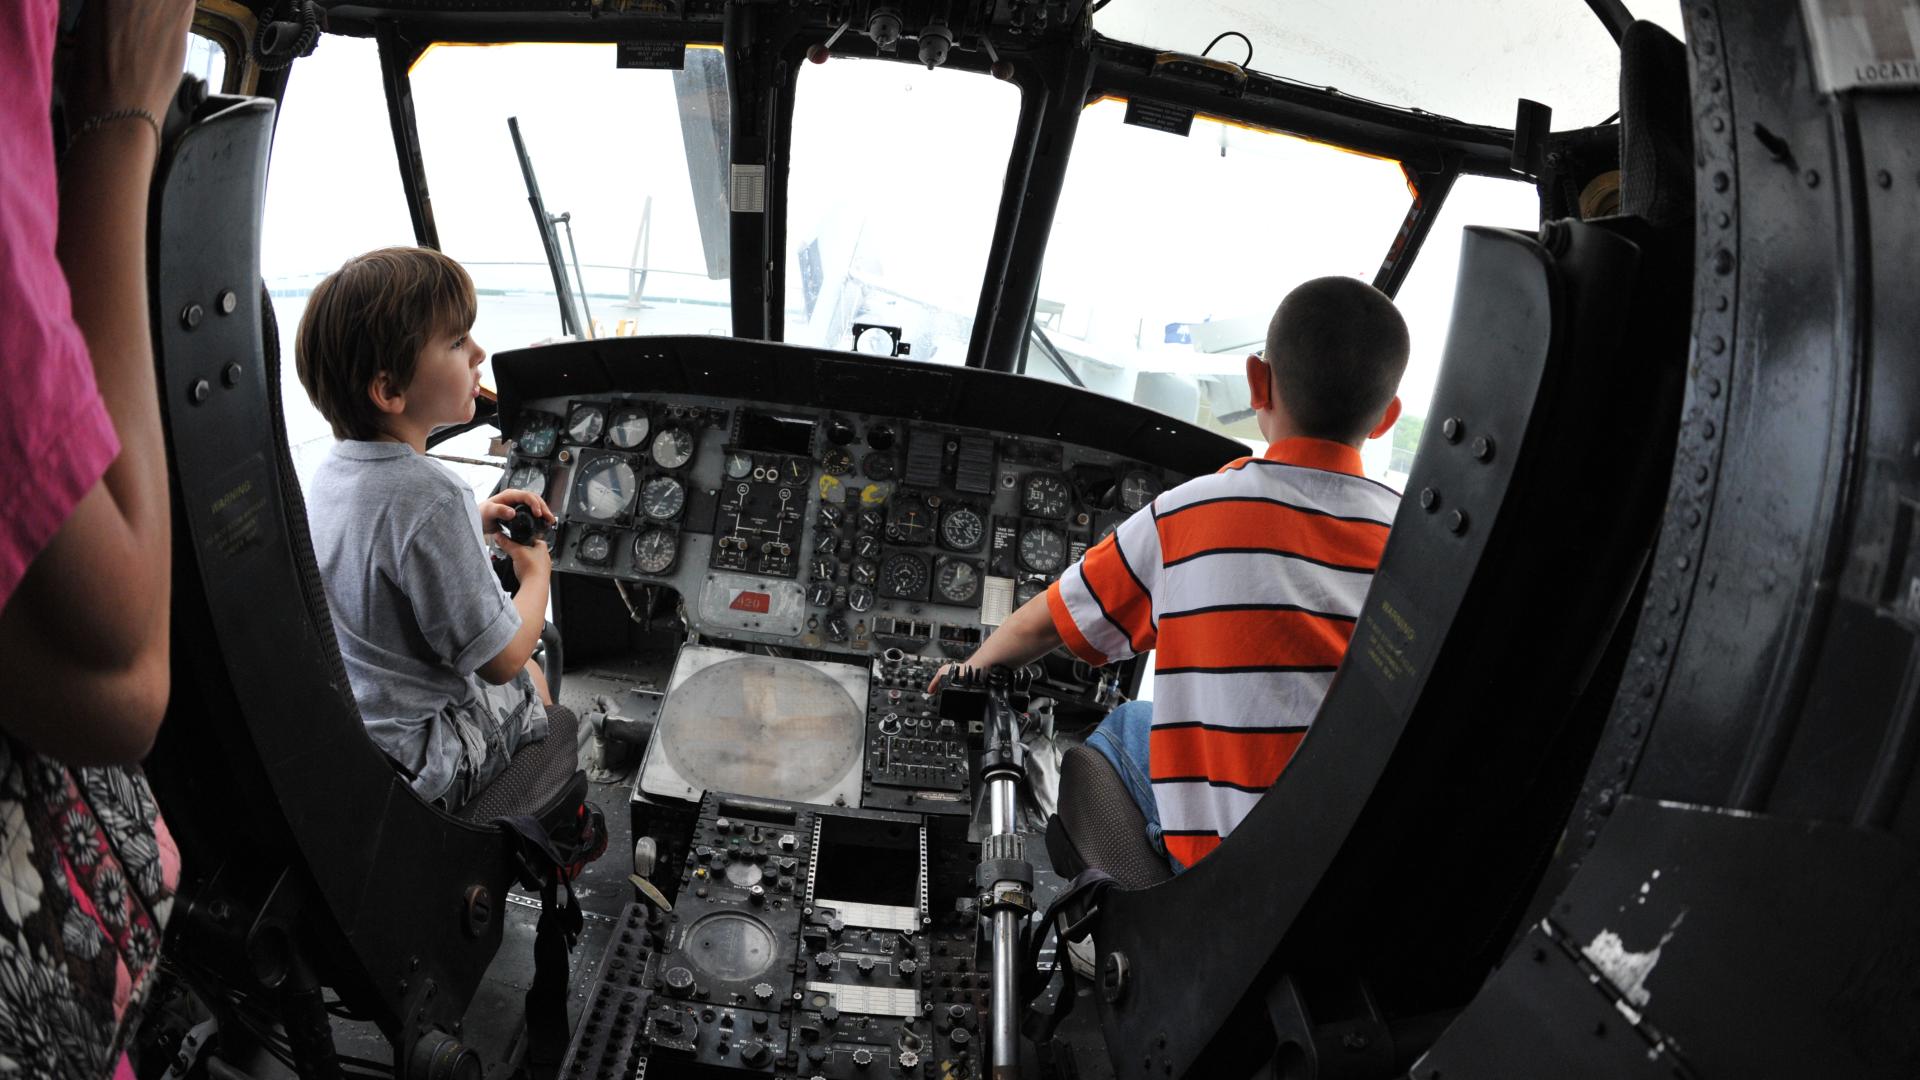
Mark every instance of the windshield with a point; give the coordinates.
(633, 158)
(893, 193)
(1468, 61)
(1169, 254)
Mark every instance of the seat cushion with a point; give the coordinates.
(534, 776)
(1104, 825)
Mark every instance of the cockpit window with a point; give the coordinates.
(634, 159)
(1169, 254)
(893, 193)
(1468, 61)
(206, 59)
(331, 137)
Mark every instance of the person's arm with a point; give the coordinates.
(1026, 636)
(534, 567)
(85, 635)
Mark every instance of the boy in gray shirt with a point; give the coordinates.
(438, 653)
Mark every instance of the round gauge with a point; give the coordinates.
(1042, 550)
(904, 576)
(836, 463)
(662, 497)
(820, 593)
(910, 520)
(874, 341)
(877, 466)
(737, 465)
(585, 423)
(628, 429)
(831, 517)
(528, 478)
(1137, 489)
(872, 519)
(595, 548)
(654, 550)
(826, 545)
(537, 434)
(1046, 495)
(823, 569)
(798, 469)
(961, 528)
(865, 571)
(859, 598)
(866, 545)
(607, 488)
(673, 448)
(957, 582)
(1026, 591)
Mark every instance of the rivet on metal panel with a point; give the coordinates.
(1713, 387)
(1812, 178)
(1452, 428)
(1707, 430)
(1883, 178)
(1700, 474)
(1693, 517)
(199, 391)
(1723, 261)
(1483, 449)
(228, 301)
(1718, 345)
(1721, 181)
(1429, 500)
(190, 316)
(1457, 522)
(230, 375)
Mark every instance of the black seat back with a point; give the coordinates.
(298, 837)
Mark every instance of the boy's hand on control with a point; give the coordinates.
(529, 560)
(497, 510)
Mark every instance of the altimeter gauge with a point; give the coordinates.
(662, 497)
(673, 448)
(1042, 550)
(654, 550)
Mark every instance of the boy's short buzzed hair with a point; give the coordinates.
(1337, 347)
(374, 314)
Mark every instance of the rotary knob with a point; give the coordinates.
(865, 964)
(908, 967)
(679, 981)
(757, 895)
(862, 1058)
(755, 1055)
(823, 960)
(763, 992)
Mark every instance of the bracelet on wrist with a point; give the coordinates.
(99, 120)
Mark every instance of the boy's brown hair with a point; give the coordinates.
(1337, 347)
(374, 315)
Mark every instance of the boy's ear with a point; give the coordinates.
(385, 396)
(1259, 383)
(1387, 421)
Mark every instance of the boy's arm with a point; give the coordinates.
(534, 567)
(1026, 636)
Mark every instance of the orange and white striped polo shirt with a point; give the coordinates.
(1248, 583)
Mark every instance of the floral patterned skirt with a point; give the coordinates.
(87, 879)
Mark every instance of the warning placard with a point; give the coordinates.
(1865, 44)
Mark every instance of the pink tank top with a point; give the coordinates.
(56, 439)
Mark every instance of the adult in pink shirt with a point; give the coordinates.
(85, 558)
(87, 869)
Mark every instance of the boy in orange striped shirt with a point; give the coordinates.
(1246, 582)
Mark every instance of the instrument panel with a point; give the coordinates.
(824, 529)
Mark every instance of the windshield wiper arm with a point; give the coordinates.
(570, 322)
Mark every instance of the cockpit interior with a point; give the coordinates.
(834, 332)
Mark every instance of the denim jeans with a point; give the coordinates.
(1124, 738)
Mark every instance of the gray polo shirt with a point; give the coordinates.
(416, 608)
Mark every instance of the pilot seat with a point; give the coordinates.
(309, 865)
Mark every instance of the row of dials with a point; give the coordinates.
(610, 488)
(654, 549)
(627, 427)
